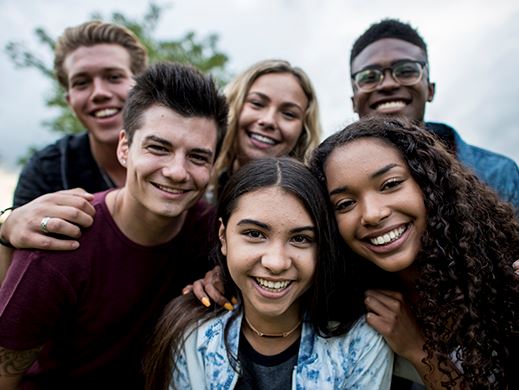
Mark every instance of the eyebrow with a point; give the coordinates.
(285, 104)
(168, 144)
(86, 73)
(262, 225)
(374, 175)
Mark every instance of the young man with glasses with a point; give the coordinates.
(390, 76)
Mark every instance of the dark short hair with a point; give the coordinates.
(96, 32)
(181, 88)
(387, 28)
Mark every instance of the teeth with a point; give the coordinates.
(262, 138)
(106, 112)
(391, 106)
(170, 190)
(388, 237)
(278, 285)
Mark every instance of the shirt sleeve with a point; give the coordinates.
(370, 359)
(34, 298)
(39, 176)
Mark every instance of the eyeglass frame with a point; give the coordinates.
(423, 65)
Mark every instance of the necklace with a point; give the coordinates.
(261, 334)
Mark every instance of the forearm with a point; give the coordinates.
(6, 255)
(431, 375)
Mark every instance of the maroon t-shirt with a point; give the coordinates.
(94, 307)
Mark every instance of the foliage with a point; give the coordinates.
(202, 53)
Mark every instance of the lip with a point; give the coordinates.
(390, 246)
(258, 143)
(267, 294)
(379, 102)
(173, 192)
(115, 114)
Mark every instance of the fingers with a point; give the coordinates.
(61, 213)
(515, 266)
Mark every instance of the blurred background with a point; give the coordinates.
(473, 53)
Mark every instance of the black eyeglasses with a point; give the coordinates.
(404, 72)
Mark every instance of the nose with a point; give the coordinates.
(176, 169)
(100, 90)
(388, 81)
(276, 258)
(267, 119)
(374, 211)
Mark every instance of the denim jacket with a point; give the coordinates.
(359, 359)
(498, 171)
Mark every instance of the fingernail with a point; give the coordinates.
(234, 301)
(228, 306)
(206, 302)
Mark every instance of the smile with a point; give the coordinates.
(262, 138)
(273, 286)
(388, 237)
(394, 105)
(175, 191)
(106, 112)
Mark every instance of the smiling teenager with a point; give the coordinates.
(80, 319)
(433, 244)
(390, 75)
(95, 64)
(277, 254)
(273, 111)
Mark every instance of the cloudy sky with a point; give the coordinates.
(473, 53)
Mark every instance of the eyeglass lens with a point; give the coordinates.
(405, 73)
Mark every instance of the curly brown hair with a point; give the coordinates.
(467, 305)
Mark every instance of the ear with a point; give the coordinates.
(221, 236)
(122, 148)
(354, 104)
(431, 90)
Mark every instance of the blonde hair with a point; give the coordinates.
(96, 32)
(236, 92)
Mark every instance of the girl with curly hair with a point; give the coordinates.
(434, 248)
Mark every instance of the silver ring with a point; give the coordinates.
(43, 225)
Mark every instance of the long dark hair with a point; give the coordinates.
(183, 312)
(468, 297)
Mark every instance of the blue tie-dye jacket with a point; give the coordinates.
(358, 360)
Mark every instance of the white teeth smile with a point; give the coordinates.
(391, 106)
(169, 190)
(262, 138)
(388, 237)
(106, 112)
(275, 286)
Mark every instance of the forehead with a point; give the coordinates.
(280, 86)
(386, 51)
(273, 205)
(180, 131)
(87, 59)
(360, 158)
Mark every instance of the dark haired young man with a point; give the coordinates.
(390, 76)
(79, 319)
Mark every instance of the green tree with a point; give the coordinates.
(202, 53)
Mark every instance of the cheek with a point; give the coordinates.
(291, 132)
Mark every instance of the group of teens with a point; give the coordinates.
(378, 258)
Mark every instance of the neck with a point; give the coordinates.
(139, 224)
(106, 157)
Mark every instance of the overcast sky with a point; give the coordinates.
(473, 52)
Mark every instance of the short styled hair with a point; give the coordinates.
(387, 28)
(181, 88)
(236, 93)
(96, 32)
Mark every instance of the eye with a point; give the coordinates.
(79, 83)
(255, 235)
(199, 159)
(115, 77)
(290, 115)
(157, 149)
(302, 239)
(344, 205)
(256, 103)
(391, 184)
